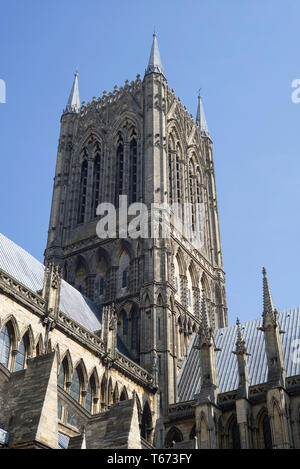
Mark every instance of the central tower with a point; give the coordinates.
(140, 141)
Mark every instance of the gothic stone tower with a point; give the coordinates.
(140, 141)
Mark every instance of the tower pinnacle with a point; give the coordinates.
(268, 311)
(200, 119)
(154, 65)
(73, 104)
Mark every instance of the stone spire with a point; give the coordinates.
(268, 308)
(200, 119)
(154, 65)
(204, 329)
(208, 364)
(241, 354)
(273, 343)
(73, 104)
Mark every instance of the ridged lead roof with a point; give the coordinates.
(20, 265)
(189, 377)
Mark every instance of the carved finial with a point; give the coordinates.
(239, 332)
(269, 310)
(204, 329)
(240, 343)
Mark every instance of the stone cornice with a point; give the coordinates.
(21, 293)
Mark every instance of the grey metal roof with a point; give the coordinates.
(20, 265)
(189, 377)
(4, 436)
(154, 64)
(73, 104)
(200, 119)
(63, 441)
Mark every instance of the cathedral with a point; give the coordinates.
(123, 342)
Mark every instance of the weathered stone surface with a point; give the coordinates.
(30, 410)
(116, 428)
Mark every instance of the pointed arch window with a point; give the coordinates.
(174, 435)
(189, 298)
(133, 168)
(171, 151)
(125, 323)
(235, 434)
(124, 278)
(5, 346)
(20, 356)
(134, 331)
(39, 348)
(120, 169)
(96, 180)
(198, 188)
(83, 189)
(178, 182)
(170, 161)
(61, 380)
(101, 286)
(75, 386)
(192, 200)
(158, 328)
(267, 432)
(90, 394)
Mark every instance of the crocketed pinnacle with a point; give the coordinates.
(200, 119)
(73, 104)
(154, 65)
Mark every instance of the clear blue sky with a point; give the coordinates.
(244, 55)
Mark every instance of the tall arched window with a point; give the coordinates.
(123, 282)
(5, 346)
(170, 160)
(101, 286)
(83, 188)
(178, 175)
(63, 373)
(178, 180)
(171, 155)
(234, 434)
(125, 322)
(61, 377)
(124, 395)
(267, 432)
(135, 329)
(39, 347)
(116, 394)
(103, 392)
(192, 200)
(120, 169)
(90, 394)
(75, 386)
(21, 355)
(96, 180)
(133, 169)
(146, 423)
